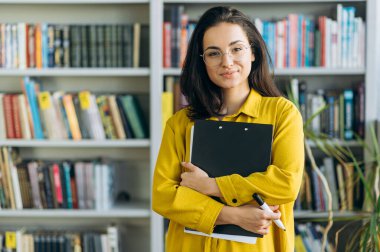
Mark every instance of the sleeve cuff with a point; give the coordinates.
(228, 191)
(207, 221)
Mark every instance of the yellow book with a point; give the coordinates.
(71, 116)
(10, 240)
(167, 100)
(8, 175)
(115, 114)
(38, 47)
(298, 244)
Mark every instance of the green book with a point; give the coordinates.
(134, 115)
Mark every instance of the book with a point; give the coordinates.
(224, 148)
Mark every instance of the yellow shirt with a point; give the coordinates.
(279, 184)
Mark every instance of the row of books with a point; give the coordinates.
(59, 241)
(53, 185)
(297, 40)
(308, 238)
(303, 41)
(42, 45)
(344, 113)
(343, 180)
(59, 115)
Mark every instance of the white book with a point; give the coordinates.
(355, 44)
(328, 163)
(350, 32)
(294, 86)
(22, 45)
(79, 180)
(107, 185)
(14, 45)
(98, 187)
(327, 42)
(15, 180)
(113, 238)
(339, 34)
(280, 55)
(259, 25)
(104, 241)
(344, 38)
(25, 126)
(8, 46)
(96, 120)
(59, 121)
(334, 45)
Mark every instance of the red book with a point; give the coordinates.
(57, 184)
(16, 116)
(167, 29)
(8, 115)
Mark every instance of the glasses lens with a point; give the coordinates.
(237, 52)
(212, 57)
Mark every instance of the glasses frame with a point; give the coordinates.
(223, 53)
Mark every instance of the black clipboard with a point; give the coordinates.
(223, 148)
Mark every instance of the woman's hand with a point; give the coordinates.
(198, 180)
(254, 219)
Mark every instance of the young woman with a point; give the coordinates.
(226, 77)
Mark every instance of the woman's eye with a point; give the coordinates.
(237, 49)
(213, 54)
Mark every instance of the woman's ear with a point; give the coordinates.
(252, 57)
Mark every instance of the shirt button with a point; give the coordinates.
(234, 201)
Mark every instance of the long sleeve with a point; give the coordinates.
(177, 203)
(280, 183)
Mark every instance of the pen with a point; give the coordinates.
(265, 207)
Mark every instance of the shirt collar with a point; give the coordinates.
(251, 106)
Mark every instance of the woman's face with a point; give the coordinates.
(228, 55)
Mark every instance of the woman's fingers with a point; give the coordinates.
(274, 208)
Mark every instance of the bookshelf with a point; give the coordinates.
(133, 217)
(141, 154)
(316, 77)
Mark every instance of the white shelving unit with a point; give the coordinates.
(134, 216)
(143, 153)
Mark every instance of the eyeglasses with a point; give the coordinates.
(213, 57)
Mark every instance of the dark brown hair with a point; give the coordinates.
(204, 97)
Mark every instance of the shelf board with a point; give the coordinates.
(76, 72)
(74, 2)
(133, 143)
(339, 142)
(306, 214)
(258, 1)
(130, 210)
(312, 71)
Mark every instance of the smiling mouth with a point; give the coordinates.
(228, 74)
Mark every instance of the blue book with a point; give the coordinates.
(348, 114)
(66, 169)
(29, 87)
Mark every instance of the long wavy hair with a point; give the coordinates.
(204, 97)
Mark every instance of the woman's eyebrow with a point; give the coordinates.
(230, 44)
